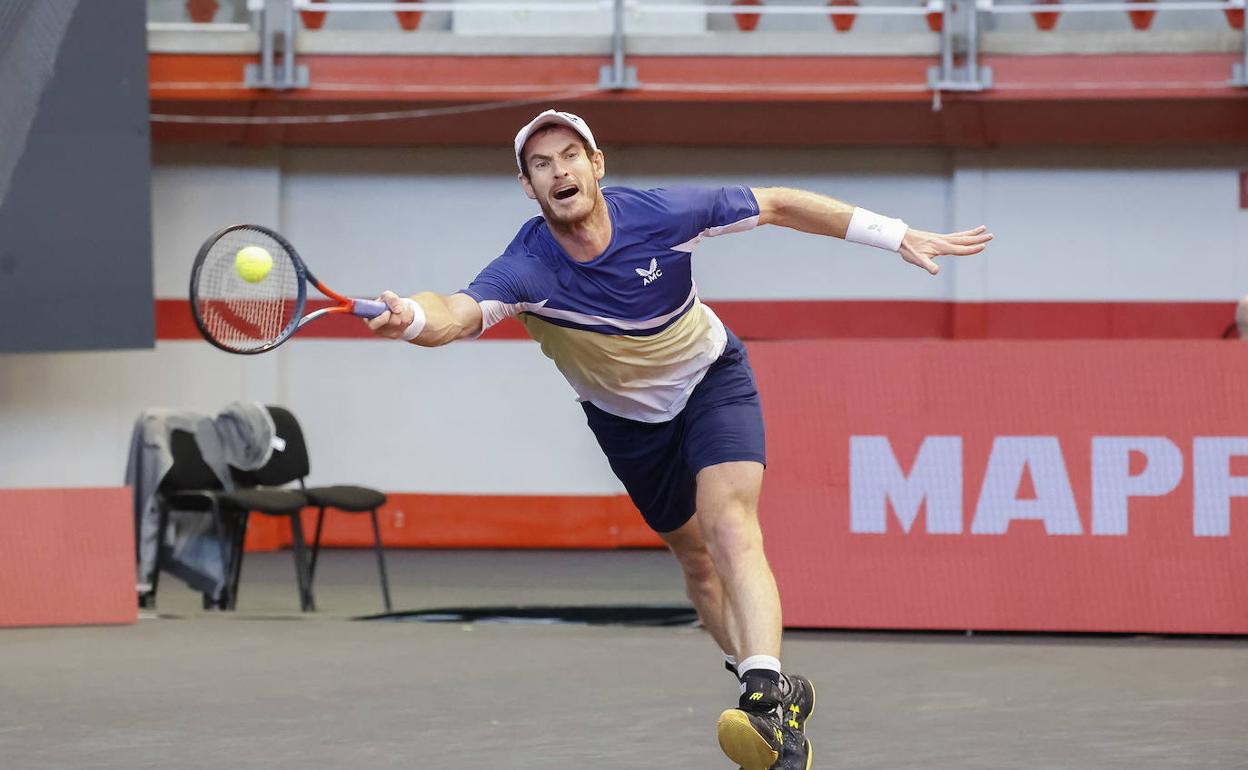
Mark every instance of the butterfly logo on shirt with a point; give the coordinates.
(649, 276)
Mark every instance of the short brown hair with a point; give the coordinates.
(589, 151)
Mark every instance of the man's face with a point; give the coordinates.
(562, 178)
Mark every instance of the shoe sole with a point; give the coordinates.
(742, 743)
(810, 753)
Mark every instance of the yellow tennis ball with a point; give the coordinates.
(253, 263)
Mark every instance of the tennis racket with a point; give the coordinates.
(243, 306)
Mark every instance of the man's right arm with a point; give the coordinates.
(442, 318)
(814, 213)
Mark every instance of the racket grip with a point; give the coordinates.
(368, 308)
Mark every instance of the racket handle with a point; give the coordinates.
(368, 308)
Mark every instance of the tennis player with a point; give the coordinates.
(602, 281)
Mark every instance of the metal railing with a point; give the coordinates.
(957, 68)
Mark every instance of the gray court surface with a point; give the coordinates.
(267, 687)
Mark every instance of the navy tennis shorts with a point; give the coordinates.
(659, 462)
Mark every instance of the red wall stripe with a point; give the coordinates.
(411, 520)
(839, 319)
(811, 101)
(1026, 77)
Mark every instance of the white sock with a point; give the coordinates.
(730, 660)
(753, 662)
(759, 661)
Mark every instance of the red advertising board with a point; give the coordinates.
(1066, 486)
(67, 557)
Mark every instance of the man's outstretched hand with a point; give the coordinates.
(392, 323)
(919, 247)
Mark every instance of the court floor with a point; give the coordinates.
(267, 687)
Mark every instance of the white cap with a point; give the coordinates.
(552, 118)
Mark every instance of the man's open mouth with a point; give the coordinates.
(564, 193)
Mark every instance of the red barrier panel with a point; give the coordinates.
(66, 557)
(1067, 486)
(410, 520)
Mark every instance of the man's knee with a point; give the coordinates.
(731, 529)
(696, 563)
(688, 545)
(728, 507)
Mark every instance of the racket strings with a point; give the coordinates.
(240, 314)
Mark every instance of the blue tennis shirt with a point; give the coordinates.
(626, 329)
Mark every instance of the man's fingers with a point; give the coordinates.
(964, 239)
(392, 322)
(379, 322)
(974, 231)
(961, 244)
(923, 261)
(393, 301)
(954, 250)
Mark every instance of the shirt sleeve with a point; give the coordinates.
(705, 212)
(507, 286)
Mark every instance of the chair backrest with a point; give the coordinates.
(189, 470)
(284, 466)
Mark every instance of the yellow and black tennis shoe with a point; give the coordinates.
(796, 754)
(797, 703)
(796, 707)
(751, 739)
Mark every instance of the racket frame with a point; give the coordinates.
(301, 275)
(365, 308)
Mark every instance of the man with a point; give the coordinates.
(602, 281)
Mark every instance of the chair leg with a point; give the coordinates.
(240, 536)
(306, 602)
(316, 545)
(381, 562)
(224, 539)
(148, 600)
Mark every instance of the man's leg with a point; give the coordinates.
(702, 583)
(770, 732)
(727, 504)
(728, 492)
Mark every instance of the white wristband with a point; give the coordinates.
(874, 230)
(418, 320)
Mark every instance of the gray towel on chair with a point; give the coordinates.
(241, 435)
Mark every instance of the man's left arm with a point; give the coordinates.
(814, 213)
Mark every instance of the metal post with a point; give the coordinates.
(972, 39)
(948, 76)
(266, 47)
(288, 47)
(1239, 72)
(946, 38)
(274, 18)
(617, 76)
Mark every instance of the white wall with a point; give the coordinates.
(495, 417)
(1128, 224)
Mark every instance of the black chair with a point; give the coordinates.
(346, 498)
(259, 492)
(191, 485)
